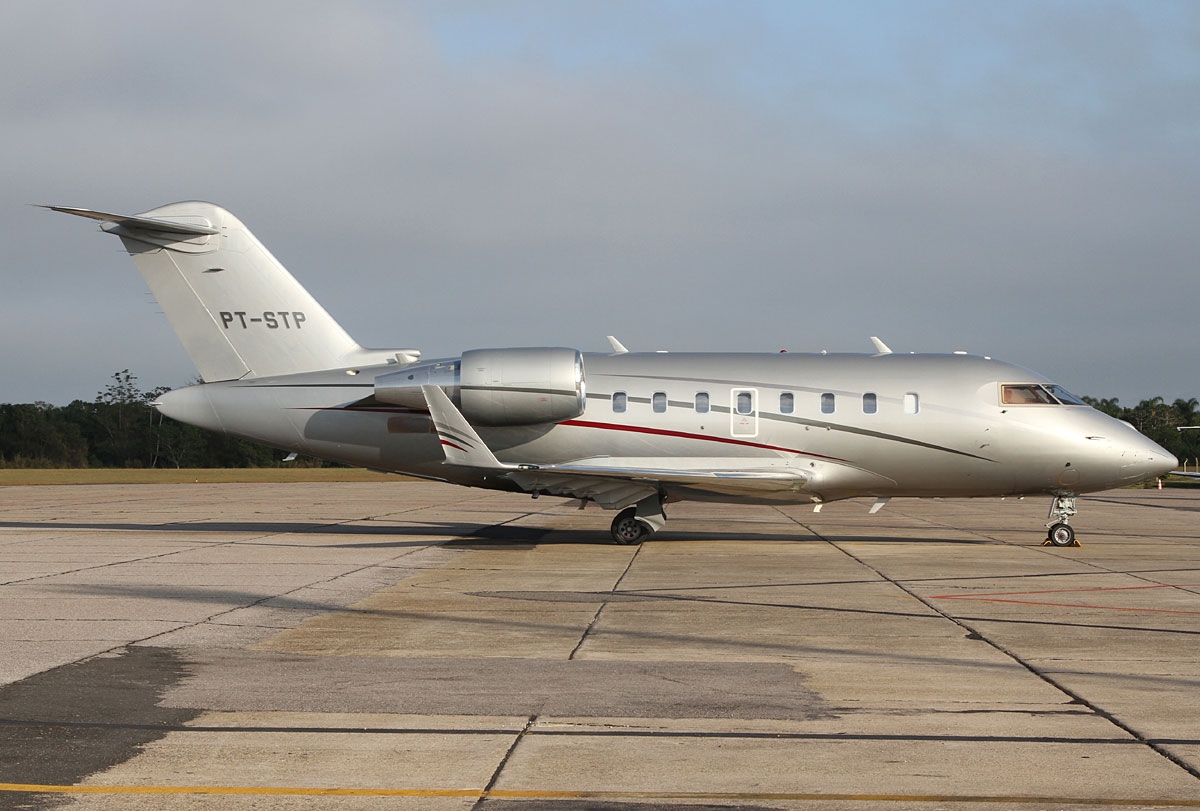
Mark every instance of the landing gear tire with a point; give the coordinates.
(627, 529)
(1061, 535)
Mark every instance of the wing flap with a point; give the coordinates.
(612, 493)
(614, 487)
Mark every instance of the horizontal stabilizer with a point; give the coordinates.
(139, 223)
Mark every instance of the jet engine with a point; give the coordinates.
(522, 386)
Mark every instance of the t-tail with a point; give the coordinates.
(237, 310)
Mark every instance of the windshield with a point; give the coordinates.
(1036, 394)
(1065, 397)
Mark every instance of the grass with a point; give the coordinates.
(283, 475)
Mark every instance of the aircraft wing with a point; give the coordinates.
(615, 485)
(1181, 473)
(606, 480)
(615, 482)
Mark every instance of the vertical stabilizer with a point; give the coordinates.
(237, 310)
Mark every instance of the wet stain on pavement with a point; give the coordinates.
(62, 725)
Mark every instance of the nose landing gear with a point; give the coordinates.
(1058, 531)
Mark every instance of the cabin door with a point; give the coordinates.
(743, 412)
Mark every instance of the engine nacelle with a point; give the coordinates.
(523, 386)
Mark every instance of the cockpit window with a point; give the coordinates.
(1036, 394)
(1031, 394)
(1065, 397)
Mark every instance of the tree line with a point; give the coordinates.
(1160, 421)
(120, 429)
(117, 429)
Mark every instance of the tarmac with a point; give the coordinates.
(420, 646)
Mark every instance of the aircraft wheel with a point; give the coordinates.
(1061, 535)
(627, 530)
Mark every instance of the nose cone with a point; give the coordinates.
(191, 405)
(1142, 459)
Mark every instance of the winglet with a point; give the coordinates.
(460, 442)
(880, 346)
(617, 346)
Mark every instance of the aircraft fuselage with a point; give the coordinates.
(854, 425)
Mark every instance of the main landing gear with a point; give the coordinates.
(627, 530)
(637, 523)
(1058, 530)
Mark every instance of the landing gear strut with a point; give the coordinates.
(1058, 530)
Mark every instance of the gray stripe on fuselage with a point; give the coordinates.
(786, 418)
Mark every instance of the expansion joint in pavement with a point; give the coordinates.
(976, 634)
(596, 617)
(491, 784)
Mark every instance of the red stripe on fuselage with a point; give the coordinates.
(639, 429)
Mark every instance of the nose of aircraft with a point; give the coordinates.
(1142, 458)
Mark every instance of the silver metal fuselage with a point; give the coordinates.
(858, 425)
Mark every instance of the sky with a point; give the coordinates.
(1016, 179)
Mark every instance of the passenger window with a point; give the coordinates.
(620, 402)
(745, 403)
(870, 403)
(827, 403)
(912, 403)
(787, 403)
(701, 402)
(659, 402)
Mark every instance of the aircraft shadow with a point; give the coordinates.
(426, 534)
(467, 536)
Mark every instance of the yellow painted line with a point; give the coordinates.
(873, 798)
(535, 794)
(244, 790)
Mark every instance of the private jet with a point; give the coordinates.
(629, 431)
